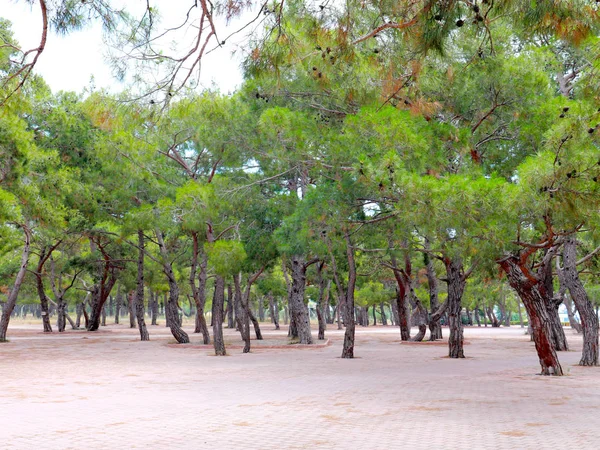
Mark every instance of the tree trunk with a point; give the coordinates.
(477, 314)
(61, 319)
(139, 290)
(78, 313)
(273, 310)
(118, 303)
(154, 307)
(171, 306)
(575, 325)
(261, 309)
(298, 309)
(382, 312)
(348, 349)
(456, 287)
(230, 308)
(103, 317)
(242, 317)
(533, 295)
(11, 301)
(323, 286)
(218, 303)
(255, 325)
(552, 305)
(199, 292)
(589, 319)
(41, 292)
(435, 328)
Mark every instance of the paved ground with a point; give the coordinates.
(107, 390)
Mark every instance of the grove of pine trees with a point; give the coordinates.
(420, 161)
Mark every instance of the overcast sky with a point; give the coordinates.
(69, 62)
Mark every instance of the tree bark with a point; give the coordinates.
(171, 307)
(230, 308)
(322, 283)
(139, 291)
(274, 310)
(435, 328)
(154, 307)
(348, 349)
(298, 309)
(218, 302)
(589, 319)
(533, 294)
(11, 301)
(199, 292)
(41, 292)
(118, 304)
(456, 285)
(382, 312)
(242, 319)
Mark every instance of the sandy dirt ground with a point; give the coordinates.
(107, 390)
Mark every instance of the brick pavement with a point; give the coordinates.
(107, 390)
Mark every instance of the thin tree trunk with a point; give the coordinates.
(274, 310)
(348, 349)
(589, 320)
(322, 284)
(218, 302)
(243, 321)
(230, 308)
(11, 301)
(118, 302)
(199, 292)
(171, 307)
(41, 292)
(139, 291)
(382, 312)
(435, 328)
(154, 308)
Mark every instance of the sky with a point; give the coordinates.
(69, 62)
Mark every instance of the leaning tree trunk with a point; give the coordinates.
(533, 294)
(255, 325)
(298, 310)
(41, 293)
(171, 310)
(100, 293)
(171, 306)
(456, 287)
(242, 319)
(139, 290)
(589, 319)
(11, 301)
(218, 303)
